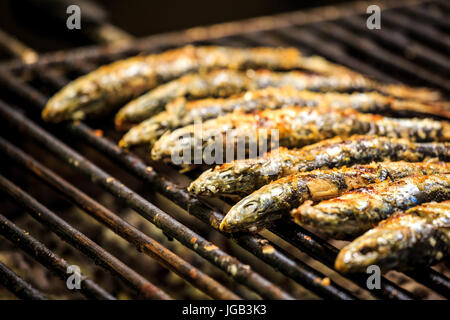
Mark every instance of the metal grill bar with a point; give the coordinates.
(190, 203)
(429, 16)
(17, 48)
(428, 277)
(172, 227)
(18, 286)
(432, 279)
(301, 272)
(206, 33)
(142, 242)
(327, 253)
(313, 36)
(330, 48)
(48, 259)
(415, 27)
(401, 42)
(69, 234)
(370, 48)
(390, 290)
(181, 197)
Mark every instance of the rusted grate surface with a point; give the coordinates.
(412, 47)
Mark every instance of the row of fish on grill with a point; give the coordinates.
(344, 166)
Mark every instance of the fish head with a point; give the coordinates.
(74, 102)
(259, 208)
(251, 213)
(233, 178)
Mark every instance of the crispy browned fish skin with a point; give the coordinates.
(416, 238)
(268, 203)
(223, 83)
(218, 83)
(294, 127)
(105, 88)
(242, 177)
(357, 211)
(181, 113)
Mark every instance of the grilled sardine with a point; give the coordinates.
(242, 177)
(272, 200)
(107, 87)
(222, 83)
(289, 127)
(357, 211)
(416, 238)
(180, 113)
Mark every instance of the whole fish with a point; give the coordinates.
(359, 210)
(103, 89)
(271, 201)
(288, 127)
(180, 113)
(223, 83)
(416, 238)
(242, 177)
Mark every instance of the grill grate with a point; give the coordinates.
(379, 53)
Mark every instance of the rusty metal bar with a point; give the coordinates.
(142, 242)
(370, 48)
(209, 215)
(428, 15)
(325, 252)
(109, 34)
(417, 29)
(18, 286)
(49, 259)
(172, 227)
(71, 235)
(304, 274)
(17, 48)
(211, 32)
(414, 50)
(277, 258)
(432, 279)
(329, 48)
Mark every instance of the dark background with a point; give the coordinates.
(32, 22)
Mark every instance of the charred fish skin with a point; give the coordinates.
(218, 83)
(224, 83)
(418, 237)
(242, 177)
(266, 204)
(105, 88)
(276, 98)
(147, 132)
(357, 211)
(181, 113)
(295, 127)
